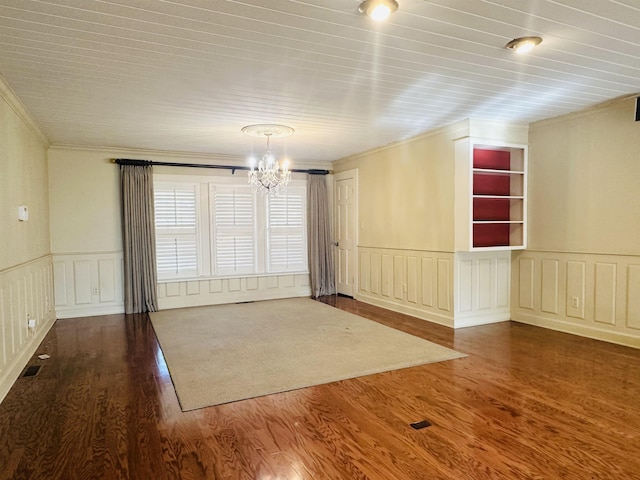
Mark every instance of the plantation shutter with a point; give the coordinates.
(286, 227)
(234, 232)
(176, 230)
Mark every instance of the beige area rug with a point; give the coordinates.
(223, 353)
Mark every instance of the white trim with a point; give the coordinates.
(575, 329)
(440, 319)
(18, 363)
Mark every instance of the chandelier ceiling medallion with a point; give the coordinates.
(269, 178)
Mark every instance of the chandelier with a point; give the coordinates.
(269, 178)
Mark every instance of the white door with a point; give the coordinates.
(346, 222)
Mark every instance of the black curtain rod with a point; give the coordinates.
(127, 161)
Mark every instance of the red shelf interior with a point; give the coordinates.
(491, 209)
(491, 159)
(491, 235)
(495, 234)
(486, 184)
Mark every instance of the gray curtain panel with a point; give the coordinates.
(139, 238)
(320, 241)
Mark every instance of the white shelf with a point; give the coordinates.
(484, 222)
(512, 197)
(489, 171)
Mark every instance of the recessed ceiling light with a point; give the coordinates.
(523, 44)
(378, 10)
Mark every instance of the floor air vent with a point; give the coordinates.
(31, 371)
(420, 424)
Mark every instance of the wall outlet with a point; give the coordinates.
(575, 302)
(31, 323)
(95, 291)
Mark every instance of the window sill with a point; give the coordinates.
(229, 277)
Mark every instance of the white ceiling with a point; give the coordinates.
(186, 75)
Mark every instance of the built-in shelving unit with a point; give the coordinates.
(491, 181)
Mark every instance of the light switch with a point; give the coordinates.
(23, 213)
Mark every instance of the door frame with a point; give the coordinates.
(353, 174)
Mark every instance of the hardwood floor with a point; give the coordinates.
(526, 403)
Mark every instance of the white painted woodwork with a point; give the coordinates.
(399, 282)
(88, 284)
(231, 290)
(550, 284)
(576, 288)
(464, 196)
(607, 288)
(427, 280)
(525, 293)
(604, 297)
(482, 279)
(390, 271)
(26, 292)
(632, 311)
(346, 217)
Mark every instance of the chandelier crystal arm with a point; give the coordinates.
(269, 178)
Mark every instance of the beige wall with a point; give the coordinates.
(406, 193)
(23, 181)
(581, 271)
(583, 181)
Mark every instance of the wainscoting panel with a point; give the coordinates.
(598, 296)
(26, 292)
(412, 279)
(605, 293)
(365, 267)
(231, 290)
(632, 319)
(408, 281)
(399, 282)
(465, 284)
(386, 279)
(550, 283)
(107, 280)
(482, 282)
(376, 273)
(576, 288)
(486, 286)
(526, 274)
(444, 281)
(82, 281)
(426, 278)
(88, 284)
(503, 282)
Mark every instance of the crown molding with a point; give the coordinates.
(11, 99)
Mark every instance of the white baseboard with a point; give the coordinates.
(619, 338)
(440, 319)
(477, 318)
(88, 311)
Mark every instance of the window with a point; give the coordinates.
(209, 227)
(234, 242)
(286, 227)
(176, 229)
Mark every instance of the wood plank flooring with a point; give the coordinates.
(526, 403)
